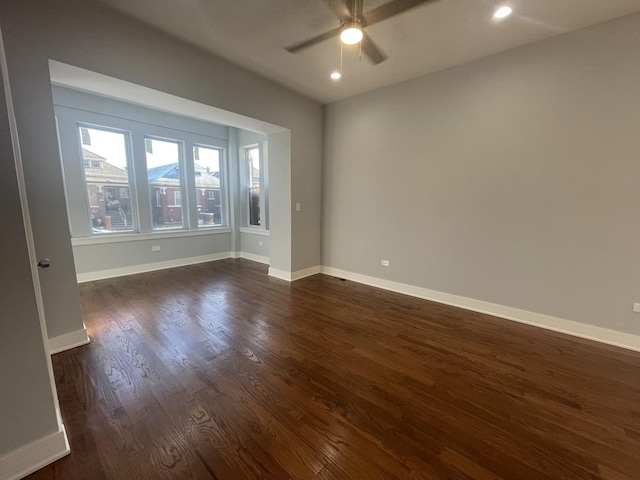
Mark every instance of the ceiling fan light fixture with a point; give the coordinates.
(351, 33)
(502, 12)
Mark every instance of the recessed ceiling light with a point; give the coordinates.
(502, 12)
(336, 75)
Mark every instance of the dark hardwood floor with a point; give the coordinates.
(217, 371)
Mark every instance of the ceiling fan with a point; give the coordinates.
(353, 21)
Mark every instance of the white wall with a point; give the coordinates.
(512, 179)
(93, 37)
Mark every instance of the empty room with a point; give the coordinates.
(332, 239)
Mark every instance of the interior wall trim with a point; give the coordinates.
(307, 272)
(255, 258)
(569, 327)
(150, 267)
(293, 276)
(35, 455)
(281, 274)
(254, 231)
(68, 341)
(138, 237)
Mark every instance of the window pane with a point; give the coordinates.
(208, 191)
(253, 182)
(254, 206)
(106, 166)
(165, 182)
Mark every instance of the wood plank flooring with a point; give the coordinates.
(217, 371)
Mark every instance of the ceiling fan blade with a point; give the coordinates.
(340, 8)
(372, 51)
(313, 40)
(391, 9)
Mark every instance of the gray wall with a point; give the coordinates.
(68, 97)
(27, 410)
(90, 36)
(512, 179)
(235, 211)
(250, 243)
(106, 256)
(283, 242)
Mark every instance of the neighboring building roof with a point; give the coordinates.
(106, 172)
(165, 174)
(171, 173)
(165, 171)
(89, 155)
(206, 179)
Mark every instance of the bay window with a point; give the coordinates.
(125, 176)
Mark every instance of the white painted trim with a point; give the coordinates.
(569, 327)
(307, 272)
(293, 276)
(83, 80)
(68, 341)
(133, 237)
(35, 455)
(254, 231)
(281, 274)
(150, 267)
(255, 258)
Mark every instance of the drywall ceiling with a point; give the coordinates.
(253, 33)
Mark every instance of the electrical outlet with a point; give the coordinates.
(297, 207)
(636, 307)
(385, 263)
(155, 248)
(261, 243)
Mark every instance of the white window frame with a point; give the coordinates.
(130, 177)
(245, 176)
(224, 182)
(184, 210)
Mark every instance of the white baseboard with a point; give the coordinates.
(150, 267)
(307, 272)
(35, 455)
(570, 327)
(281, 274)
(293, 276)
(255, 258)
(68, 340)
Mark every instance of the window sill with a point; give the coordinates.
(254, 231)
(134, 237)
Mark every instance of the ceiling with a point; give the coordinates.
(253, 34)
